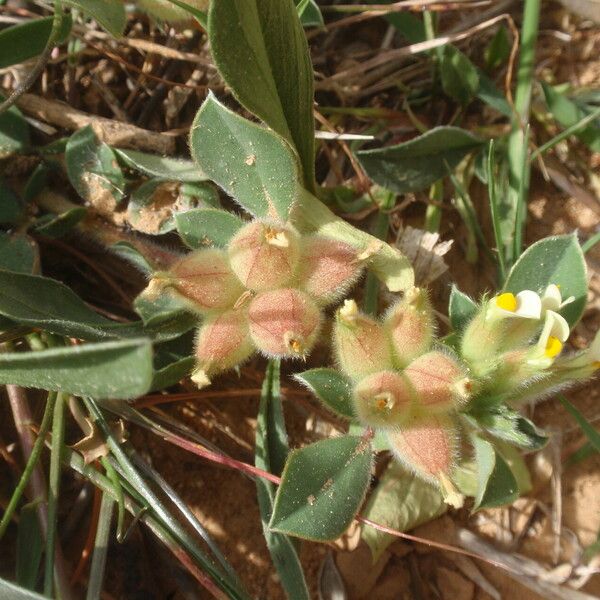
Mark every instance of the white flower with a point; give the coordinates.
(525, 305)
(554, 334)
(552, 299)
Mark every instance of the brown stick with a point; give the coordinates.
(112, 132)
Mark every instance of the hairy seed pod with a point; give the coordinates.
(327, 269)
(223, 342)
(383, 399)
(284, 322)
(360, 343)
(439, 381)
(428, 446)
(164, 10)
(410, 325)
(264, 255)
(203, 278)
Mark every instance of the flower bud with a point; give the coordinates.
(439, 381)
(410, 324)
(361, 344)
(223, 341)
(383, 399)
(264, 255)
(202, 278)
(428, 446)
(284, 322)
(327, 268)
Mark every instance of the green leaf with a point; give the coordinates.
(332, 388)
(36, 182)
(50, 305)
(10, 591)
(93, 169)
(108, 13)
(414, 165)
(18, 253)
(252, 164)
(516, 463)
(172, 169)
(496, 484)
(172, 373)
(133, 256)
(14, 131)
(271, 452)
(322, 488)
(11, 207)
(568, 113)
(461, 309)
(311, 14)
(62, 224)
(459, 76)
(204, 227)
(26, 40)
(401, 501)
(512, 427)
(492, 96)
(559, 260)
(268, 67)
(119, 370)
(497, 51)
(29, 547)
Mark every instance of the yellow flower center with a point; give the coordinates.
(553, 347)
(596, 364)
(507, 301)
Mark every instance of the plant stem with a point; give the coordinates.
(518, 162)
(36, 452)
(58, 433)
(42, 60)
(371, 299)
(100, 548)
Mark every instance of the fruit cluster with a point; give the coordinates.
(265, 292)
(403, 386)
(416, 392)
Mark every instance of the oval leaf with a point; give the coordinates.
(331, 387)
(119, 370)
(461, 309)
(174, 169)
(414, 165)
(401, 501)
(253, 165)
(322, 488)
(207, 227)
(108, 13)
(559, 260)
(26, 40)
(268, 67)
(496, 484)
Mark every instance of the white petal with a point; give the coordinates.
(560, 328)
(567, 301)
(529, 305)
(552, 298)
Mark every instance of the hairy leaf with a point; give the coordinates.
(332, 388)
(204, 227)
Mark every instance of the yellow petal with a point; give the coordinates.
(553, 347)
(507, 301)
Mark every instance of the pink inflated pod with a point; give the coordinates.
(203, 279)
(360, 343)
(410, 324)
(440, 382)
(284, 322)
(430, 447)
(328, 268)
(383, 399)
(264, 255)
(223, 342)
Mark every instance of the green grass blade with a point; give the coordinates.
(100, 548)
